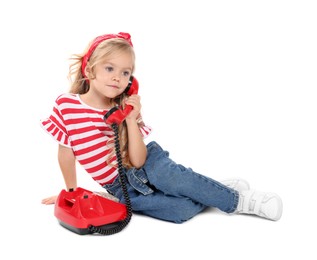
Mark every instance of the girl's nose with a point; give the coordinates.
(116, 78)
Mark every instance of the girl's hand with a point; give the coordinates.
(49, 200)
(134, 100)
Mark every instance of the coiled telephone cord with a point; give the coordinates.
(121, 224)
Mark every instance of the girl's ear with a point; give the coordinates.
(87, 71)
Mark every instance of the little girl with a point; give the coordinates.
(157, 186)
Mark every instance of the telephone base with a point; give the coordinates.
(80, 209)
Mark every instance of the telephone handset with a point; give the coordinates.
(117, 115)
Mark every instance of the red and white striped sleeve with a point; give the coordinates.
(54, 125)
(144, 129)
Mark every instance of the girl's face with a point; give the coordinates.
(112, 76)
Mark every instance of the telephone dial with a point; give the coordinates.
(85, 212)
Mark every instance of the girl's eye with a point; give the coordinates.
(126, 73)
(109, 69)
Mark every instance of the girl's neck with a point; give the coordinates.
(96, 101)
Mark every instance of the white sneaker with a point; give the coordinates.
(236, 184)
(264, 204)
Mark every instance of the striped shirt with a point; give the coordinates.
(78, 126)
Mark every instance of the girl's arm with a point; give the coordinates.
(136, 149)
(67, 163)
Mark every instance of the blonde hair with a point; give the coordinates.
(80, 83)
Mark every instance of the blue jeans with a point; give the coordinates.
(168, 191)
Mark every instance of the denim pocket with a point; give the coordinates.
(139, 181)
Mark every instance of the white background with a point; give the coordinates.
(229, 88)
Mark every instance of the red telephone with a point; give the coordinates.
(117, 115)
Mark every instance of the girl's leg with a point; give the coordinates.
(176, 180)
